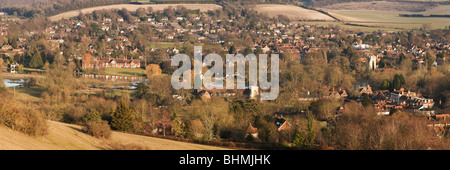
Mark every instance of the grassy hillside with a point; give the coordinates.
(292, 12)
(132, 7)
(64, 136)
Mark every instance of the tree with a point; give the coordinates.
(324, 108)
(429, 59)
(2, 84)
(36, 61)
(386, 85)
(2, 64)
(177, 126)
(92, 116)
(232, 50)
(140, 12)
(311, 133)
(398, 81)
(299, 138)
(153, 70)
(126, 15)
(125, 119)
(366, 100)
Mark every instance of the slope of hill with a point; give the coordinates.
(292, 12)
(132, 7)
(64, 136)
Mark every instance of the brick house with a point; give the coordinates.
(89, 62)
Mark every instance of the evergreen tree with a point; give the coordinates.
(36, 61)
(122, 118)
(93, 116)
(398, 81)
(177, 126)
(299, 138)
(386, 85)
(311, 134)
(366, 101)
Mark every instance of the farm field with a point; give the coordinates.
(64, 136)
(132, 7)
(327, 24)
(382, 6)
(441, 10)
(384, 15)
(388, 19)
(292, 12)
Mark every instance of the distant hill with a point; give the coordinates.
(31, 8)
(133, 7)
(321, 3)
(64, 136)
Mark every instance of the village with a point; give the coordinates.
(120, 40)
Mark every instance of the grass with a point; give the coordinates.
(132, 8)
(64, 136)
(389, 19)
(31, 94)
(109, 94)
(163, 45)
(125, 72)
(290, 11)
(33, 69)
(326, 24)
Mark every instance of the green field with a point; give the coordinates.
(389, 19)
(163, 45)
(125, 72)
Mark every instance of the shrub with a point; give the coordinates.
(120, 146)
(98, 129)
(23, 118)
(93, 116)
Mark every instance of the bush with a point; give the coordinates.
(23, 118)
(120, 146)
(99, 129)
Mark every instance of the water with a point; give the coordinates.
(13, 82)
(10, 83)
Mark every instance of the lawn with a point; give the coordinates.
(163, 45)
(31, 94)
(125, 72)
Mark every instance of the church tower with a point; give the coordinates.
(373, 62)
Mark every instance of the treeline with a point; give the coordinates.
(421, 15)
(318, 3)
(48, 8)
(181, 1)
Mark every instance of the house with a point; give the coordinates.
(89, 62)
(6, 47)
(162, 127)
(204, 95)
(337, 94)
(251, 131)
(365, 89)
(13, 68)
(281, 123)
(396, 94)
